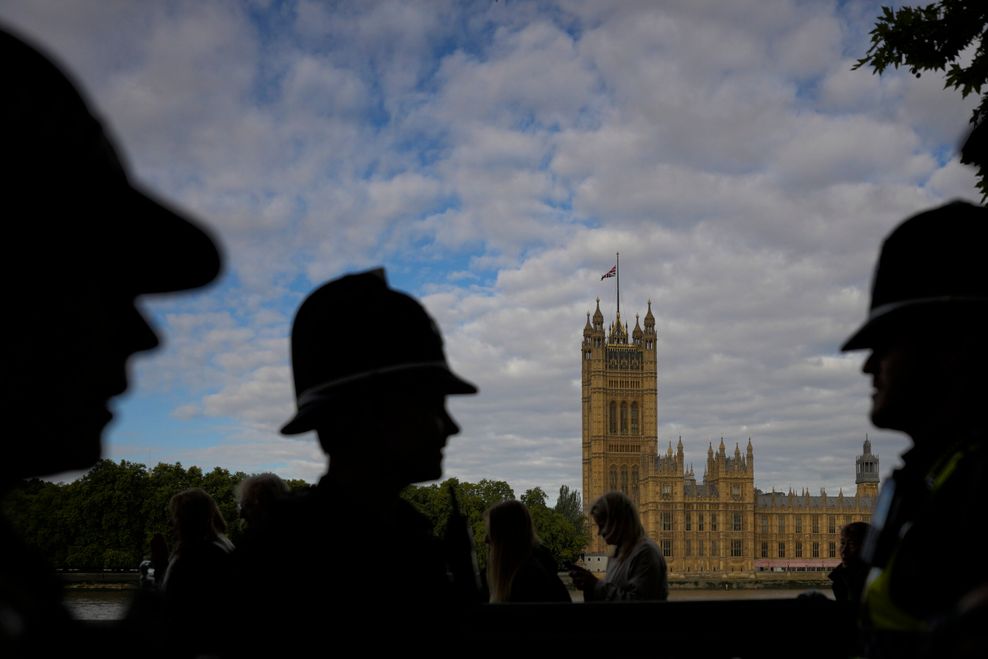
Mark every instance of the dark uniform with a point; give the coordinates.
(925, 550)
(926, 331)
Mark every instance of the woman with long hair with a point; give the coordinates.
(519, 568)
(199, 583)
(637, 570)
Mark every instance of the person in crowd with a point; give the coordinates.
(637, 570)
(257, 497)
(371, 379)
(926, 333)
(81, 242)
(847, 581)
(848, 578)
(519, 567)
(199, 582)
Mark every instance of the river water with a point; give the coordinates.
(112, 604)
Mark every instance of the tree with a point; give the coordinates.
(934, 37)
(569, 504)
(534, 498)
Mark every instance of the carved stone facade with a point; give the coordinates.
(721, 526)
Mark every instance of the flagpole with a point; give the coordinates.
(618, 268)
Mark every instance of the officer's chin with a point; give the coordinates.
(71, 446)
(425, 473)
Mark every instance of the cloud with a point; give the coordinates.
(495, 158)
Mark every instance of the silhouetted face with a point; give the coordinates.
(850, 548)
(903, 383)
(414, 431)
(66, 360)
(609, 535)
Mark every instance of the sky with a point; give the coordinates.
(494, 157)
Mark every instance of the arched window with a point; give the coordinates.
(624, 418)
(612, 418)
(634, 482)
(613, 479)
(634, 418)
(624, 479)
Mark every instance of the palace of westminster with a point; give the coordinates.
(722, 525)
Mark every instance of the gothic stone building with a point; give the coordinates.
(721, 525)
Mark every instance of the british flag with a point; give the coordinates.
(609, 273)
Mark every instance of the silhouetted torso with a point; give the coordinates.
(199, 591)
(538, 580)
(335, 563)
(929, 543)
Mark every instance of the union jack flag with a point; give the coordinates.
(610, 273)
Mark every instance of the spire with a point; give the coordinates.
(618, 333)
(637, 333)
(598, 318)
(649, 318)
(866, 465)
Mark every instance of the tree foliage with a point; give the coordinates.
(560, 533)
(938, 37)
(106, 518)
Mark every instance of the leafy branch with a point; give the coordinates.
(934, 37)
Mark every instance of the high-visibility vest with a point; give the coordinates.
(879, 610)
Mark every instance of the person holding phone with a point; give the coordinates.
(637, 569)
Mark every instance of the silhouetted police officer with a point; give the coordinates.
(926, 330)
(371, 380)
(80, 243)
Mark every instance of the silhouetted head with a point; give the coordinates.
(196, 517)
(510, 538)
(82, 243)
(926, 326)
(257, 495)
(509, 523)
(852, 538)
(371, 377)
(617, 520)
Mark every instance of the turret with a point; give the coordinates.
(618, 332)
(598, 318)
(866, 471)
(648, 336)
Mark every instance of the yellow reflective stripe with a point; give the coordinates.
(881, 611)
(940, 476)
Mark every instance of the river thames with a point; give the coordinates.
(111, 604)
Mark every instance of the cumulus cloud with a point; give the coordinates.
(495, 159)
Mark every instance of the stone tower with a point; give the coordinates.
(866, 472)
(620, 408)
